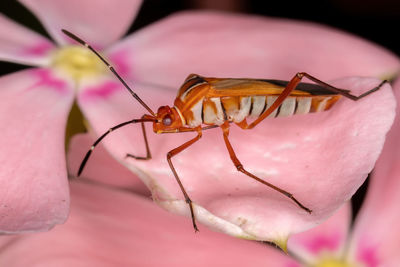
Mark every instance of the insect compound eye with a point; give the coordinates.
(167, 120)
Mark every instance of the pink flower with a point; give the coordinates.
(100, 231)
(36, 103)
(322, 164)
(374, 239)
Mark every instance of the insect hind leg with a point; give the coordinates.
(239, 167)
(345, 93)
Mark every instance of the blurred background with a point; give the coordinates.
(373, 20)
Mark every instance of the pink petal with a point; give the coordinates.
(376, 240)
(329, 238)
(322, 164)
(115, 228)
(101, 23)
(34, 191)
(232, 45)
(21, 45)
(103, 166)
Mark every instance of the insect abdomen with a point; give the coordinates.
(216, 110)
(213, 101)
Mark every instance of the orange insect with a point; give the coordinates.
(203, 103)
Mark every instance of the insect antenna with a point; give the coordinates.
(79, 40)
(85, 159)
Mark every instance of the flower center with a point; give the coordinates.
(78, 62)
(331, 262)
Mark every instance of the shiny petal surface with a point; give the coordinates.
(328, 239)
(322, 164)
(376, 240)
(232, 45)
(100, 23)
(103, 167)
(114, 228)
(21, 45)
(34, 190)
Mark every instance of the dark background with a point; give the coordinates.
(376, 21)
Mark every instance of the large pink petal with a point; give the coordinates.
(21, 45)
(33, 176)
(111, 228)
(322, 164)
(232, 45)
(103, 167)
(329, 238)
(376, 239)
(100, 22)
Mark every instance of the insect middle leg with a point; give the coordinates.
(239, 167)
(174, 152)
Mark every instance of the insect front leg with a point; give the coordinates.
(145, 118)
(148, 153)
(174, 152)
(239, 167)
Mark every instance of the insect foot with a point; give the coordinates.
(190, 203)
(299, 204)
(280, 190)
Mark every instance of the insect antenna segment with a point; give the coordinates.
(85, 159)
(145, 118)
(79, 40)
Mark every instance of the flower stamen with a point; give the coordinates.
(78, 62)
(333, 262)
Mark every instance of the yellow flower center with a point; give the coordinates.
(78, 62)
(331, 262)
